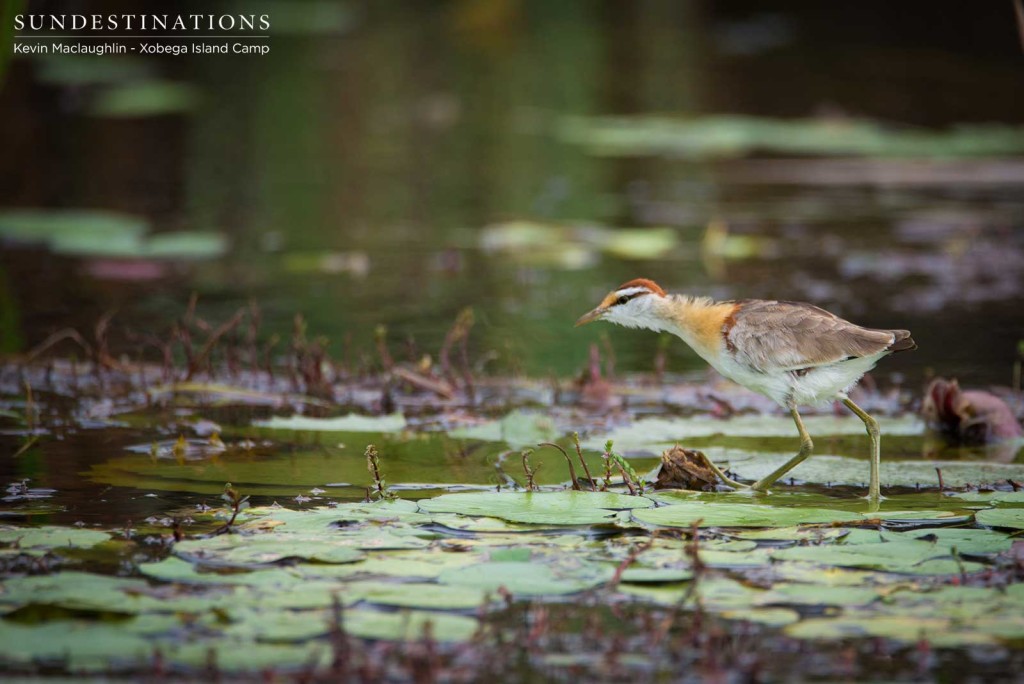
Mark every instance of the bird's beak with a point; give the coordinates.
(591, 316)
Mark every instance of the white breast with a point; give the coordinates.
(814, 386)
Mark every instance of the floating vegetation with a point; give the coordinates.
(93, 233)
(292, 579)
(421, 508)
(716, 137)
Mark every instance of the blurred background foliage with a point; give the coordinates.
(394, 162)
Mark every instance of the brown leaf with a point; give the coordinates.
(685, 469)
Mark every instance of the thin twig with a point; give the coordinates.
(579, 452)
(222, 330)
(568, 461)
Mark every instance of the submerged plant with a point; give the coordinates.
(634, 482)
(236, 504)
(579, 452)
(380, 487)
(531, 485)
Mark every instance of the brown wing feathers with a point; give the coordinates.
(793, 335)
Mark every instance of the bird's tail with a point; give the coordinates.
(902, 342)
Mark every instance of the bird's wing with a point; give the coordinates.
(771, 335)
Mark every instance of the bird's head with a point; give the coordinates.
(632, 304)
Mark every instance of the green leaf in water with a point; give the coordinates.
(350, 423)
(546, 508)
(526, 579)
(738, 515)
(49, 537)
(146, 98)
(1002, 517)
(409, 624)
(518, 429)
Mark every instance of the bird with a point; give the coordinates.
(794, 353)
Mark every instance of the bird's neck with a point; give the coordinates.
(699, 321)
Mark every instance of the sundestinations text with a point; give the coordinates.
(142, 22)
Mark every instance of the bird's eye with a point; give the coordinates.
(622, 300)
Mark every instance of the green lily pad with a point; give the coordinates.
(245, 655)
(937, 631)
(409, 625)
(773, 617)
(322, 520)
(1001, 517)
(646, 575)
(526, 579)
(654, 434)
(78, 591)
(518, 429)
(992, 497)
(911, 556)
(420, 595)
(177, 570)
(82, 646)
(146, 98)
(425, 564)
(76, 232)
(728, 136)
(738, 515)
(279, 625)
(838, 469)
(51, 537)
(78, 70)
(186, 245)
(801, 534)
(267, 548)
(818, 595)
(968, 541)
(350, 423)
(639, 243)
(549, 508)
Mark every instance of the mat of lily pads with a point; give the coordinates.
(264, 594)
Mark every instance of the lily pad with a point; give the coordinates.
(81, 646)
(408, 625)
(78, 591)
(518, 429)
(654, 434)
(968, 541)
(908, 557)
(728, 136)
(937, 631)
(146, 98)
(352, 422)
(51, 537)
(268, 548)
(549, 508)
(1002, 517)
(838, 469)
(420, 595)
(526, 579)
(996, 497)
(738, 515)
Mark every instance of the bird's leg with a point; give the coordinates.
(721, 475)
(806, 445)
(874, 488)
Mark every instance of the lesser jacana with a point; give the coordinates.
(793, 353)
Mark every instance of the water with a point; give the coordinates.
(355, 169)
(377, 151)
